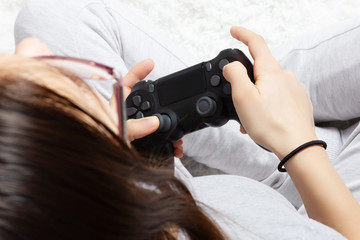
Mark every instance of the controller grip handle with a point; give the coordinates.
(159, 150)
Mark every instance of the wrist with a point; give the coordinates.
(288, 144)
(307, 158)
(298, 150)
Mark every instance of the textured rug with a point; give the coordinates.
(202, 26)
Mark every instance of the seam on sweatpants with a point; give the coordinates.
(320, 43)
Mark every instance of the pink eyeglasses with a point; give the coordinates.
(90, 70)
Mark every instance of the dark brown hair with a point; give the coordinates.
(63, 176)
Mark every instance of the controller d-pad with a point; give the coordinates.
(131, 111)
(215, 81)
(139, 107)
(139, 115)
(222, 63)
(137, 100)
(145, 106)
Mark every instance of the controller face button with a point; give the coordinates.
(131, 111)
(206, 107)
(208, 67)
(137, 100)
(222, 63)
(139, 115)
(227, 89)
(145, 106)
(215, 80)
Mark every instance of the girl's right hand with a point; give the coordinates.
(275, 111)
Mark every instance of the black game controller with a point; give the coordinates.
(185, 101)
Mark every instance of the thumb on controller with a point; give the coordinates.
(138, 128)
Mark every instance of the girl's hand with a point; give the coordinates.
(138, 128)
(32, 47)
(275, 111)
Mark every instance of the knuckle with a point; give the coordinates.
(260, 38)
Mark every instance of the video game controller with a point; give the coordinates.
(184, 102)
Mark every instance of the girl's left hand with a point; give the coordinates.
(138, 128)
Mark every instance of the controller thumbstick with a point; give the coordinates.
(206, 107)
(165, 122)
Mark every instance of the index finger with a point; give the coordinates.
(257, 46)
(138, 72)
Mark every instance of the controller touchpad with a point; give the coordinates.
(182, 86)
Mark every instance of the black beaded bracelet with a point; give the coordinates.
(302, 147)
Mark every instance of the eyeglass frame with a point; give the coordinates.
(118, 86)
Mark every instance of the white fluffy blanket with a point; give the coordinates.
(202, 26)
